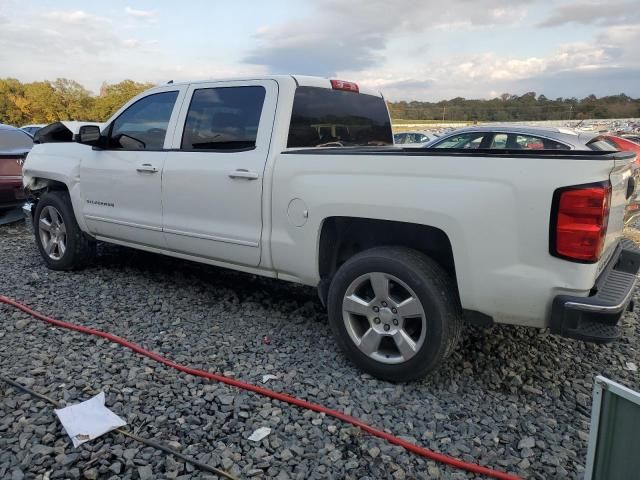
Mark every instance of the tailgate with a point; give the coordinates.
(623, 178)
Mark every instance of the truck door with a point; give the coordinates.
(121, 183)
(213, 177)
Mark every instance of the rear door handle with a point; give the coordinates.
(242, 173)
(146, 168)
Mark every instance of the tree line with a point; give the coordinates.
(64, 99)
(527, 107)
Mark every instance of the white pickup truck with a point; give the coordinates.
(297, 178)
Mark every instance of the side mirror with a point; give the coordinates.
(89, 135)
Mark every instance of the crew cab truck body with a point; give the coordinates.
(297, 178)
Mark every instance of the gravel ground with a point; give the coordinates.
(513, 398)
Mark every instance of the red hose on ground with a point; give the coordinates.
(423, 452)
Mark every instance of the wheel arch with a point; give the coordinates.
(39, 185)
(342, 237)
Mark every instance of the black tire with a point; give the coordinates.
(433, 287)
(79, 247)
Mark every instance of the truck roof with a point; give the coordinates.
(300, 80)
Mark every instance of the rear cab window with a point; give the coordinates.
(324, 117)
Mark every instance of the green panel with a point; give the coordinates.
(618, 445)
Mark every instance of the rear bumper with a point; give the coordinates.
(595, 318)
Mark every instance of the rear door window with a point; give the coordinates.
(531, 142)
(516, 141)
(324, 117)
(224, 118)
(499, 141)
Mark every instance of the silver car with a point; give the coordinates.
(413, 139)
(515, 137)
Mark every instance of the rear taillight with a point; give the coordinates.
(342, 85)
(579, 222)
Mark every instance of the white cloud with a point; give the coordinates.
(354, 34)
(72, 44)
(141, 14)
(571, 68)
(73, 17)
(410, 49)
(351, 40)
(594, 13)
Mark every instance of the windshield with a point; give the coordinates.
(324, 117)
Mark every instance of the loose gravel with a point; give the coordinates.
(513, 398)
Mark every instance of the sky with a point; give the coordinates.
(408, 49)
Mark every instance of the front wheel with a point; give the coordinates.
(62, 244)
(395, 312)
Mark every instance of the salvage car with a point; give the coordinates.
(623, 144)
(14, 146)
(403, 244)
(515, 137)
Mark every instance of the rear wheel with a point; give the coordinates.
(62, 244)
(395, 312)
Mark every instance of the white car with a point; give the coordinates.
(404, 245)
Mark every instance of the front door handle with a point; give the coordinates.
(244, 174)
(146, 168)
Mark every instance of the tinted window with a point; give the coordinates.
(325, 117)
(602, 143)
(31, 130)
(530, 142)
(410, 138)
(223, 118)
(516, 141)
(143, 126)
(499, 141)
(470, 140)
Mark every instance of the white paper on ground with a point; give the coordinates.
(267, 377)
(259, 434)
(88, 420)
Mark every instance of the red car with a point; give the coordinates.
(14, 146)
(625, 145)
